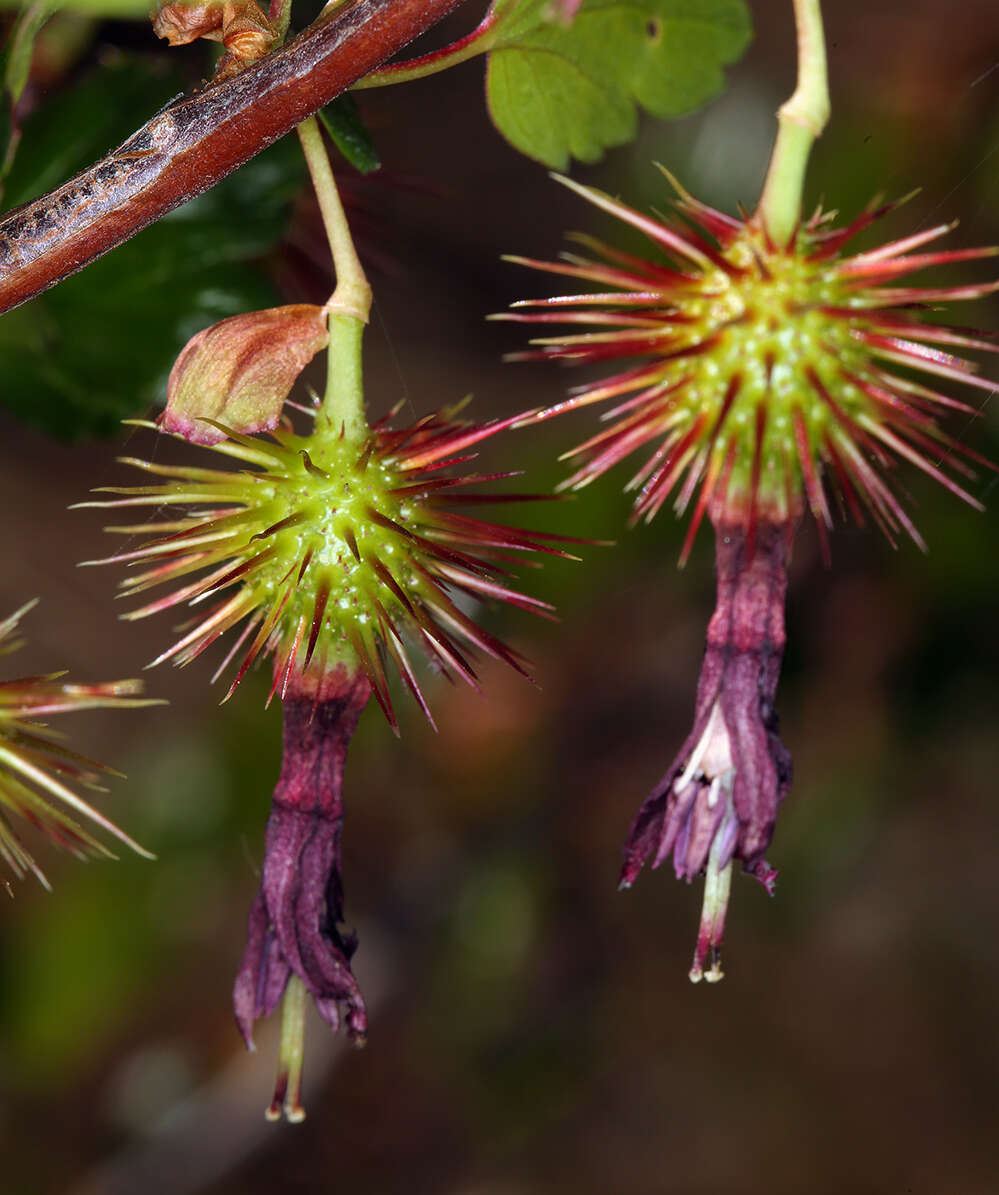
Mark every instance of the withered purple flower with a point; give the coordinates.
(718, 800)
(294, 924)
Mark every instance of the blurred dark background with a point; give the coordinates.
(532, 1030)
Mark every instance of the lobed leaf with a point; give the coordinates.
(557, 91)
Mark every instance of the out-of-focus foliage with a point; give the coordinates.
(108, 9)
(111, 954)
(98, 347)
(15, 67)
(350, 134)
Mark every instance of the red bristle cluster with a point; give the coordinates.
(765, 375)
(332, 549)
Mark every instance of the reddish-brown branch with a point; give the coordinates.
(195, 142)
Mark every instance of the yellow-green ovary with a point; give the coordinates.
(335, 508)
(766, 329)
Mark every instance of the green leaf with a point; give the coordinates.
(15, 66)
(111, 9)
(9, 137)
(350, 134)
(18, 50)
(557, 91)
(98, 347)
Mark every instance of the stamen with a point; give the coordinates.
(715, 735)
(291, 1052)
(717, 882)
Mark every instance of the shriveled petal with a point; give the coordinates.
(733, 771)
(262, 975)
(241, 25)
(301, 870)
(239, 372)
(294, 924)
(748, 628)
(182, 21)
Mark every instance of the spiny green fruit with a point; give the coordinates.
(329, 549)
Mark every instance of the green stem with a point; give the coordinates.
(343, 402)
(280, 15)
(471, 46)
(291, 1052)
(350, 303)
(800, 122)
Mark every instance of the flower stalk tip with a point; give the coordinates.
(801, 121)
(707, 953)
